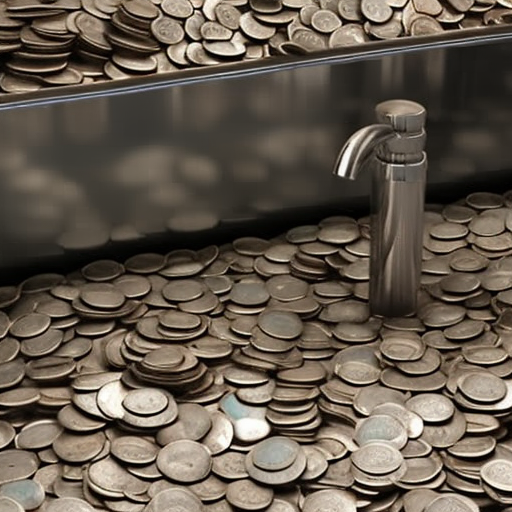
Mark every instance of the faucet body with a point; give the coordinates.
(393, 150)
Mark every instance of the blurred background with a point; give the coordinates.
(189, 164)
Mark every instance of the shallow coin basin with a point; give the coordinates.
(210, 381)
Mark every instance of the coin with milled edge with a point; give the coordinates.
(330, 500)
(377, 458)
(432, 408)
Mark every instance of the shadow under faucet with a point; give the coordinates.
(394, 151)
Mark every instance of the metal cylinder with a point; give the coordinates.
(398, 196)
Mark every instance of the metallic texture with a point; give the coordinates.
(222, 148)
(398, 197)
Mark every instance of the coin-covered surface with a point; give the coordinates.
(251, 376)
(51, 43)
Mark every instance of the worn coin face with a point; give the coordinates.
(432, 408)
(247, 495)
(497, 474)
(275, 453)
(381, 427)
(184, 461)
(330, 500)
(482, 387)
(377, 458)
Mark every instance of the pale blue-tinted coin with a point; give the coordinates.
(236, 410)
(27, 493)
(275, 454)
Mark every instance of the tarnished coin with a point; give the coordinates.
(432, 408)
(133, 450)
(66, 504)
(482, 387)
(252, 28)
(28, 493)
(102, 296)
(113, 479)
(377, 11)
(308, 40)
(229, 16)
(184, 461)
(280, 324)
(177, 8)
(402, 348)
(17, 465)
(330, 500)
(175, 498)
(246, 495)
(411, 421)
(230, 465)
(275, 453)
(38, 434)
(498, 474)
(74, 448)
(167, 31)
(32, 324)
(145, 401)
(377, 458)
(325, 21)
(451, 501)
(383, 428)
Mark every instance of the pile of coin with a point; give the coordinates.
(69, 42)
(252, 376)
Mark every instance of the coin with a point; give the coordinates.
(381, 427)
(17, 465)
(330, 500)
(246, 495)
(377, 458)
(10, 505)
(432, 408)
(275, 453)
(184, 461)
(497, 473)
(482, 387)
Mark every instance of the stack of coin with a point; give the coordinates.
(273, 340)
(276, 461)
(174, 368)
(122, 39)
(45, 45)
(293, 410)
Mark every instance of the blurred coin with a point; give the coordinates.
(377, 458)
(432, 408)
(184, 461)
(482, 387)
(330, 500)
(381, 427)
(246, 495)
(275, 453)
(497, 474)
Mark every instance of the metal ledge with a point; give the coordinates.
(370, 50)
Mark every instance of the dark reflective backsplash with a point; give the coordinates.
(182, 161)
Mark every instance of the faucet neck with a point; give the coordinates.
(360, 147)
(399, 139)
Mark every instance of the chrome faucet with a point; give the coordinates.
(394, 149)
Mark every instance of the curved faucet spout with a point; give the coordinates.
(359, 147)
